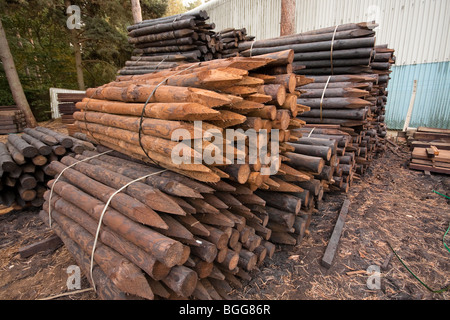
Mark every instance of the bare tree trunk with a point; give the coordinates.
(78, 60)
(287, 17)
(136, 10)
(13, 79)
(77, 49)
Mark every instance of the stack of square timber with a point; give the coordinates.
(196, 230)
(66, 105)
(167, 42)
(430, 150)
(12, 120)
(23, 159)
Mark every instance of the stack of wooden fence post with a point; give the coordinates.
(221, 93)
(23, 159)
(182, 238)
(196, 230)
(170, 41)
(229, 40)
(252, 93)
(348, 94)
(344, 49)
(12, 120)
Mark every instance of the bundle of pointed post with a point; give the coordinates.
(354, 105)
(233, 93)
(172, 236)
(181, 232)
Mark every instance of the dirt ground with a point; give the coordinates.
(389, 204)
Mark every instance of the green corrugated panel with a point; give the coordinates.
(432, 103)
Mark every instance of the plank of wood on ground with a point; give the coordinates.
(51, 243)
(330, 252)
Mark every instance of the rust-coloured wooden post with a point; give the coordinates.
(287, 25)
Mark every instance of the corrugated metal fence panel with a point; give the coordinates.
(419, 30)
(260, 17)
(432, 103)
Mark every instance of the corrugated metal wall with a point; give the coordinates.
(432, 103)
(419, 31)
(260, 17)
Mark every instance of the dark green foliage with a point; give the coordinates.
(40, 43)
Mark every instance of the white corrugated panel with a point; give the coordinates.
(419, 30)
(260, 17)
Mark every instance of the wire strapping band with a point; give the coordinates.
(148, 100)
(323, 96)
(332, 45)
(309, 136)
(157, 66)
(86, 109)
(100, 220)
(59, 176)
(251, 48)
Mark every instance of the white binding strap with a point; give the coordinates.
(103, 213)
(323, 96)
(251, 48)
(59, 176)
(332, 46)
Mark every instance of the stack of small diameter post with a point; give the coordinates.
(23, 159)
(229, 40)
(167, 42)
(333, 153)
(354, 97)
(351, 103)
(343, 49)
